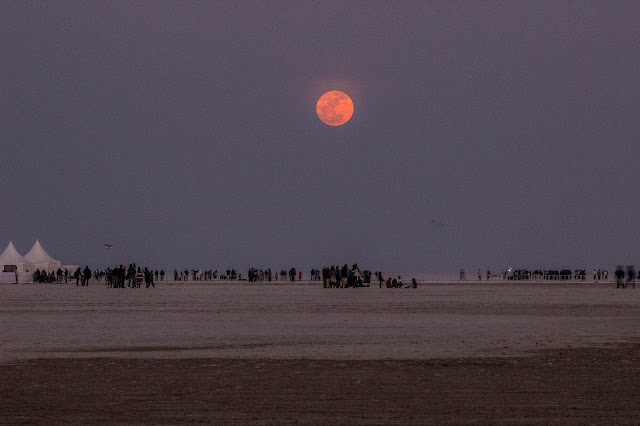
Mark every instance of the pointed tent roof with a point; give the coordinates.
(37, 255)
(10, 256)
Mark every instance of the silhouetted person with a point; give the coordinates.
(76, 275)
(631, 276)
(87, 275)
(619, 274)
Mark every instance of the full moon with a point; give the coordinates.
(334, 108)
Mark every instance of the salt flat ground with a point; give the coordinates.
(287, 321)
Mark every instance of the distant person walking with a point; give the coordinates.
(76, 275)
(479, 275)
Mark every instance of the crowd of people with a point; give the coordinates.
(113, 277)
(544, 274)
(57, 276)
(626, 278)
(253, 275)
(540, 274)
(134, 276)
(331, 276)
(344, 277)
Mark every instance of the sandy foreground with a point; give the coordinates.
(238, 353)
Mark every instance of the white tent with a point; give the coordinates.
(11, 257)
(40, 259)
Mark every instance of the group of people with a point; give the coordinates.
(626, 279)
(331, 276)
(58, 276)
(397, 282)
(256, 275)
(82, 277)
(545, 274)
(343, 277)
(541, 274)
(114, 277)
(51, 277)
(133, 276)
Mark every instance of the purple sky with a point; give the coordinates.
(485, 134)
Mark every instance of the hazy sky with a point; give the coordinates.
(485, 134)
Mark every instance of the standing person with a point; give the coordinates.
(147, 277)
(66, 276)
(131, 275)
(619, 274)
(87, 275)
(488, 274)
(300, 276)
(161, 274)
(156, 274)
(344, 276)
(333, 277)
(631, 276)
(479, 275)
(76, 275)
(122, 273)
(139, 278)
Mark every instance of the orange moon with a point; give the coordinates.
(334, 108)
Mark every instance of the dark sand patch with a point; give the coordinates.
(568, 386)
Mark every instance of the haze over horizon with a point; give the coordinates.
(484, 135)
